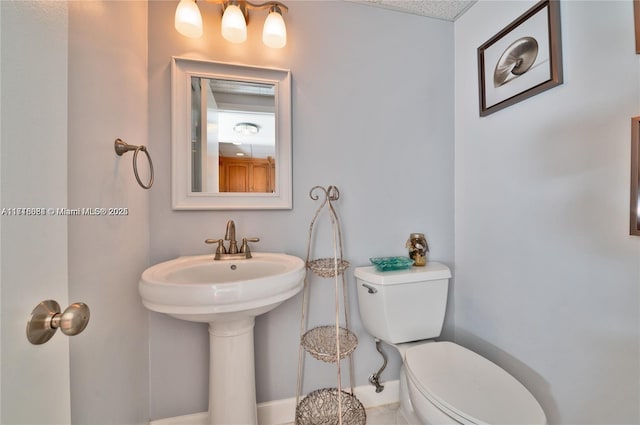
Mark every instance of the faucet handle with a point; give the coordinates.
(244, 249)
(220, 249)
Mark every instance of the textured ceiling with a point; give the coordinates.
(448, 10)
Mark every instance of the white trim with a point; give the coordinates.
(182, 69)
(280, 412)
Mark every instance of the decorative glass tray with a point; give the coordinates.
(386, 264)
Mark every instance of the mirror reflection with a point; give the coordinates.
(230, 136)
(233, 129)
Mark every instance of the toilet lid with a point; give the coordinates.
(469, 387)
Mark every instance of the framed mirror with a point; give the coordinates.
(231, 136)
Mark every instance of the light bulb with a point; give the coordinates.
(188, 20)
(274, 33)
(234, 27)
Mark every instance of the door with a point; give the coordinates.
(34, 379)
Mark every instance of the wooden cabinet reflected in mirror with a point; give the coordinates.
(635, 177)
(247, 174)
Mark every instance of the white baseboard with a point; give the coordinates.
(280, 412)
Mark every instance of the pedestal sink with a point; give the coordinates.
(227, 294)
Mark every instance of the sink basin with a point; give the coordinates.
(227, 294)
(199, 289)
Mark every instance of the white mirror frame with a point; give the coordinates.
(182, 69)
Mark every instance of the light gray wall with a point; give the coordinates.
(546, 275)
(372, 114)
(108, 99)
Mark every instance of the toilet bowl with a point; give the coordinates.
(440, 382)
(443, 377)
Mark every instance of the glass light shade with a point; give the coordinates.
(274, 33)
(188, 20)
(234, 27)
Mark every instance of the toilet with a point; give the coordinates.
(440, 382)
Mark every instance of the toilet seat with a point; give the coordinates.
(468, 387)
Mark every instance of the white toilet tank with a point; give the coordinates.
(406, 305)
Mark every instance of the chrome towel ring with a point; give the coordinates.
(121, 148)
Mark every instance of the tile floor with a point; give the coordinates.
(382, 415)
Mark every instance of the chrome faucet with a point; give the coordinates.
(232, 253)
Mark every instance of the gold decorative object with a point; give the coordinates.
(418, 248)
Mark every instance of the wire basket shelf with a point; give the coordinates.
(320, 342)
(328, 267)
(324, 407)
(330, 344)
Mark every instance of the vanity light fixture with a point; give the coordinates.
(188, 20)
(235, 15)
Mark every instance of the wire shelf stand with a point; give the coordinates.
(333, 343)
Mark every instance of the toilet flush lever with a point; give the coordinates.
(370, 289)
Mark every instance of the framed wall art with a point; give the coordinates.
(636, 20)
(522, 60)
(634, 210)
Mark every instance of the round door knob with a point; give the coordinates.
(46, 319)
(73, 320)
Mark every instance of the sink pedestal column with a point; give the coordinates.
(232, 382)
